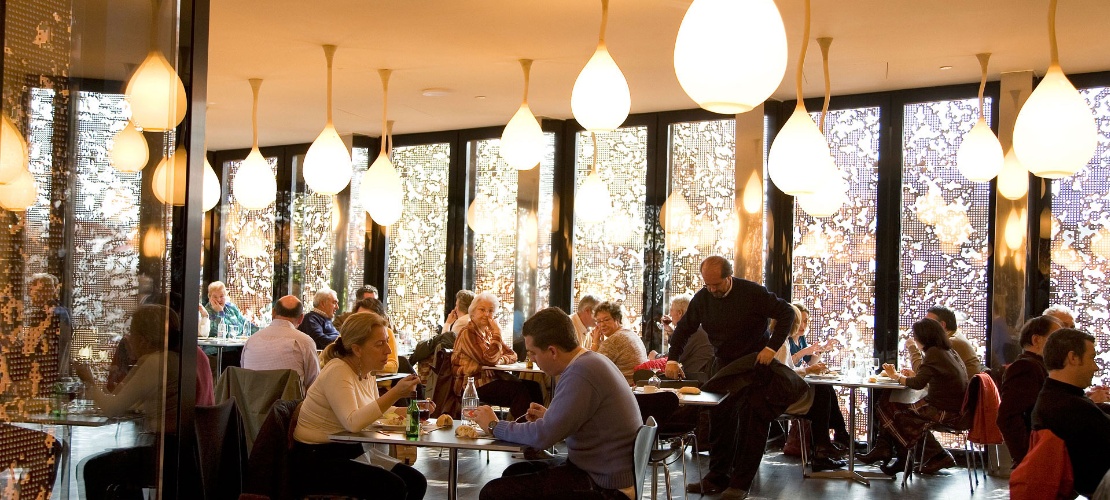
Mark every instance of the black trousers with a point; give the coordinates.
(820, 413)
(329, 469)
(517, 394)
(739, 436)
(545, 479)
(121, 473)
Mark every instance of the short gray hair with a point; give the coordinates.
(1055, 309)
(322, 294)
(216, 285)
(484, 297)
(588, 301)
(680, 302)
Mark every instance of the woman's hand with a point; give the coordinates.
(407, 385)
(816, 369)
(906, 372)
(889, 371)
(83, 372)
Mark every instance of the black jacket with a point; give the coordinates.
(768, 389)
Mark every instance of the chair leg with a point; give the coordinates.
(667, 479)
(803, 439)
(682, 446)
(654, 480)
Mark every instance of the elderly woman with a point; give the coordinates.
(615, 341)
(944, 374)
(478, 345)
(317, 324)
(221, 311)
(345, 397)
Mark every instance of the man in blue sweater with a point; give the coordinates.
(734, 313)
(317, 323)
(592, 409)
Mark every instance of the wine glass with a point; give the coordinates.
(876, 366)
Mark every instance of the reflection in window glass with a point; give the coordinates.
(249, 252)
(1080, 230)
(356, 224)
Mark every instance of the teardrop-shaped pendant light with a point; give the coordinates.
(675, 215)
(600, 100)
(211, 191)
(129, 151)
(729, 56)
(1055, 133)
(480, 216)
(381, 189)
(157, 96)
(522, 142)
(21, 193)
(169, 179)
(254, 185)
(592, 202)
(327, 165)
(831, 191)
(13, 151)
(1013, 180)
(980, 155)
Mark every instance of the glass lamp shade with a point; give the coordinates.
(156, 94)
(382, 194)
(21, 193)
(730, 56)
(13, 151)
(1055, 133)
(1015, 231)
(154, 243)
(129, 150)
(980, 155)
(327, 165)
(592, 203)
(600, 100)
(169, 180)
(480, 215)
(753, 193)
(675, 215)
(1013, 180)
(831, 195)
(798, 148)
(254, 184)
(522, 142)
(212, 191)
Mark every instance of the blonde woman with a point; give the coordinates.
(345, 397)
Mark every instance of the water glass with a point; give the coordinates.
(221, 330)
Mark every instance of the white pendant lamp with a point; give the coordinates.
(154, 243)
(381, 190)
(675, 215)
(211, 191)
(1013, 180)
(592, 203)
(13, 151)
(980, 155)
(832, 190)
(254, 185)
(522, 142)
(327, 165)
(480, 216)
(730, 55)
(169, 179)
(21, 193)
(157, 96)
(799, 146)
(600, 100)
(129, 152)
(1055, 133)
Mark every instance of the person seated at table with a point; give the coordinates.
(960, 344)
(366, 292)
(373, 305)
(345, 398)
(583, 318)
(1062, 313)
(903, 424)
(698, 355)
(615, 341)
(281, 346)
(39, 356)
(317, 323)
(222, 312)
(129, 469)
(592, 410)
(1021, 384)
(801, 353)
(480, 345)
(445, 339)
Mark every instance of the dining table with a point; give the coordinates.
(220, 344)
(523, 367)
(701, 399)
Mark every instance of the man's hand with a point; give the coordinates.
(535, 412)
(484, 415)
(673, 371)
(765, 356)
(1099, 394)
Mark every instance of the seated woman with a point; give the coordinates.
(373, 305)
(345, 397)
(943, 373)
(615, 341)
(803, 354)
(478, 345)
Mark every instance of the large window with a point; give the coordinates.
(248, 251)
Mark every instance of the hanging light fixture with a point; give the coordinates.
(156, 94)
(211, 192)
(522, 142)
(154, 243)
(129, 151)
(980, 155)
(169, 179)
(730, 56)
(600, 100)
(1013, 180)
(327, 165)
(254, 185)
(675, 215)
(832, 190)
(382, 194)
(799, 146)
(13, 151)
(592, 202)
(21, 193)
(1055, 133)
(480, 215)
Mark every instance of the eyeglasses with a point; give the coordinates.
(604, 320)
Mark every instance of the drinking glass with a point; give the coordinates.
(876, 366)
(221, 331)
(425, 407)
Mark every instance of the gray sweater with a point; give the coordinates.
(594, 410)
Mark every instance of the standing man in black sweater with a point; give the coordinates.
(734, 313)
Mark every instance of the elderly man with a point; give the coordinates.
(734, 314)
(583, 319)
(1063, 409)
(222, 312)
(281, 346)
(317, 323)
(1061, 313)
(592, 409)
(1021, 384)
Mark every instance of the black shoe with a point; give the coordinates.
(938, 462)
(705, 487)
(882, 452)
(894, 468)
(825, 463)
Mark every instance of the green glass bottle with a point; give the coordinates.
(412, 430)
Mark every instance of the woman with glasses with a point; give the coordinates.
(615, 341)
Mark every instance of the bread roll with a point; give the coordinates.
(690, 390)
(445, 420)
(466, 431)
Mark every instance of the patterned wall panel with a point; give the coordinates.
(1080, 230)
(545, 213)
(418, 241)
(495, 252)
(356, 223)
(249, 252)
(609, 256)
(315, 224)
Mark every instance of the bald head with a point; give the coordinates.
(290, 309)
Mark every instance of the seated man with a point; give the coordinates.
(1021, 384)
(1062, 313)
(317, 323)
(583, 319)
(960, 343)
(1063, 409)
(592, 409)
(281, 346)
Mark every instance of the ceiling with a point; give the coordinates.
(471, 49)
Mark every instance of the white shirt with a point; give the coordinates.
(281, 346)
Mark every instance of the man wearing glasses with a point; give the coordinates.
(734, 313)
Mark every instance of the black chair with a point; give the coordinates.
(221, 449)
(641, 454)
(37, 452)
(641, 376)
(660, 406)
(961, 428)
(403, 365)
(268, 468)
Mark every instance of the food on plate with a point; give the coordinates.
(445, 420)
(466, 431)
(690, 390)
(391, 418)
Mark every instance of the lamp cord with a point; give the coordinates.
(593, 166)
(384, 74)
(983, 58)
(526, 65)
(329, 53)
(1053, 52)
(256, 83)
(802, 57)
(155, 8)
(825, 42)
(605, 21)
